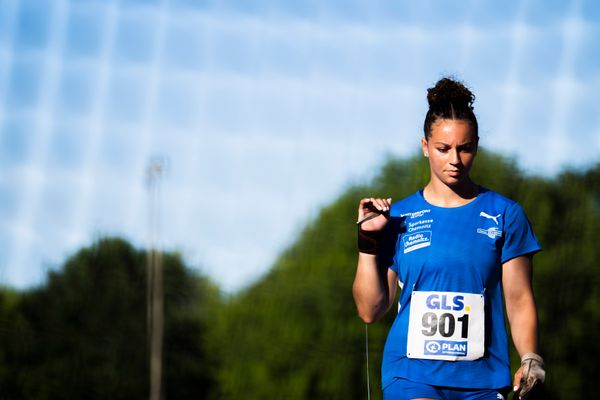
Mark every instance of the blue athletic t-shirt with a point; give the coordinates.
(458, 249)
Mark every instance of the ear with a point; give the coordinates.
(424, 147)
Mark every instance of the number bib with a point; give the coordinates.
(446, 326)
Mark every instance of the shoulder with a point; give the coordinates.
(497, 201)
(508, 210)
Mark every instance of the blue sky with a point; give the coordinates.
(263, 110)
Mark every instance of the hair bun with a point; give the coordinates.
(450, 92)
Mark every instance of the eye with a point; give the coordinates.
(467, 149)
(443, 149)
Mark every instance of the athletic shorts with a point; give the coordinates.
(402, 389)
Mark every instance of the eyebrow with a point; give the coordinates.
(459, 145)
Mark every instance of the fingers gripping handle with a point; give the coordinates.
(533, 375)
(368, 241)
(369, 216)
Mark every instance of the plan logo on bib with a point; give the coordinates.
(445, 348)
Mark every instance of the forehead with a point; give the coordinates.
(452, 131)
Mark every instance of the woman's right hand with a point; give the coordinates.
(374, 205)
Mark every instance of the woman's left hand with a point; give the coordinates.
(529, 374)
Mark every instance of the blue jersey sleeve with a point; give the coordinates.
(519, 238)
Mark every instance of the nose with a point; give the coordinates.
(455, 157)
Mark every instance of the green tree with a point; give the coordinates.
(10, 321)
(83, 335)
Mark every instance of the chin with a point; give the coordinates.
(455, 181)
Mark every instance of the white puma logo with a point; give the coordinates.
(488, 216)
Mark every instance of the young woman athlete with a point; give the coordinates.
(455, 250)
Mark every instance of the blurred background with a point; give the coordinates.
(271, 119)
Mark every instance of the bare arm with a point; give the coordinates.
(374, 289)
(520, 306)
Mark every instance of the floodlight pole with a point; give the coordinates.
(155, 305)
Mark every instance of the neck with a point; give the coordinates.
(440, 194)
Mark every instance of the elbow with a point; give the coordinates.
(368, 318)
(369, 307)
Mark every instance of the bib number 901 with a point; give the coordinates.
(445, 324)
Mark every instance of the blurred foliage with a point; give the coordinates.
(83, 335)
(294, 334)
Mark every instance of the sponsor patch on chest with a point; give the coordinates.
(416, 241)
(418, 230)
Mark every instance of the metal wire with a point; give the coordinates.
(367, 360)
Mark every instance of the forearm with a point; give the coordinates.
(370, 289)
(522, 316)
(520, 304)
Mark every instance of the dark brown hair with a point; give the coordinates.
(450, 99)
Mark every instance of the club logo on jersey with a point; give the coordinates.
(488, 216)
(492, 232)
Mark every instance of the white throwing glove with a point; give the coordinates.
(533, 371)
